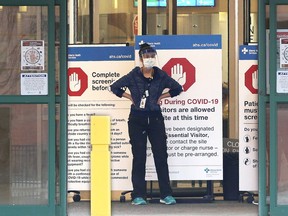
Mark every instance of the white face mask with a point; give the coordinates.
(149, 62)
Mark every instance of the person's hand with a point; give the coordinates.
(255, 79)
(178, 74)
(128, 96)
(74, 82)
(164, 95)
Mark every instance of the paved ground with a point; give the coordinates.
(216, 208)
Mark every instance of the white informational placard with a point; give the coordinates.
(248, 118)
(282, 37)
(194, 119)
(32, 55)
(91, 70)
(282, 81)
(34, 83)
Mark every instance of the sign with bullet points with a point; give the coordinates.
(248, 118)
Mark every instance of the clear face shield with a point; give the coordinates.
(149, 58)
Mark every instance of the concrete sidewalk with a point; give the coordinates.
(215, 208)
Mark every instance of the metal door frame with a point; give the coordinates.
(54, 207)
(268, 103)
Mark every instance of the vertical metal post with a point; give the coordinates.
(144, 17)
(91, 23)
(262, 101)
(172, 16)
(247, 21)
(63, 108)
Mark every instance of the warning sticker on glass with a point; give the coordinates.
(34, 83)
(32, 55)
(283, 53)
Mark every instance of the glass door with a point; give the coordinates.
(32, 105)
(273, 107)
(279, 107)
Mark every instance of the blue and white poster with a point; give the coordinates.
(91, 70)
(194, 119)
(248, 118)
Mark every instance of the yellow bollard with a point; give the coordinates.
(100, 166)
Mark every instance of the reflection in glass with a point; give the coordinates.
(282, 137)
(282, 49)
(23, 154)
(57, 50)
(282, 17)
(57, 148)
(267, 150)
(19, 23)
(116, 21)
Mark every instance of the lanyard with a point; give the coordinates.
(145, 94)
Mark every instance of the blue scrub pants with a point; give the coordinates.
(141, 127)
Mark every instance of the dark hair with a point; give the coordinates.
(145, 48)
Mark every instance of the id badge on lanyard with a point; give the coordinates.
(143, 100)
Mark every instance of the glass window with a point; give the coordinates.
(116, 21)
(18, 24)
(282, 48)
(83, 21)
(58, 152)
(103, 21)
(282, 65)
(156, 21)
(282, 139)
(206, 20)
(57, 49)
(24, 154)
(253, 22)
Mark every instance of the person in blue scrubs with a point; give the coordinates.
(146, 86)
